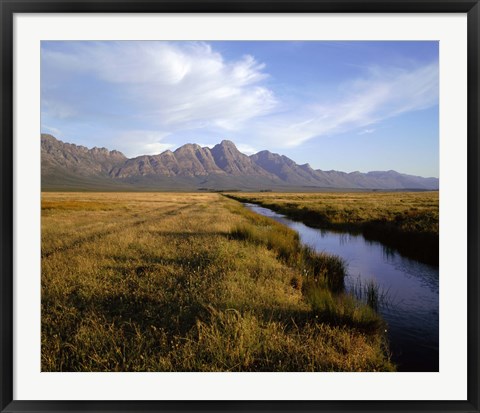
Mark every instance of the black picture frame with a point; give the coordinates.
(8, 8)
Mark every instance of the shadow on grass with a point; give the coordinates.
(421, 245)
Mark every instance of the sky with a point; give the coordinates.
(348, 106)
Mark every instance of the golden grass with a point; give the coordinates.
(407, 221)
(411, 211)
(162, 282)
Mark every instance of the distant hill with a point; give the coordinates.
(67, 166)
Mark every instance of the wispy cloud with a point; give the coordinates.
(386, 93)
(247, 149)
(145, 95)
(174, 86)
(141, 142)
(366, 131)
(53, 130)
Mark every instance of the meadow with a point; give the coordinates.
(406, 221)
(192, 282)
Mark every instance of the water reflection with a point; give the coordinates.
(413, 287)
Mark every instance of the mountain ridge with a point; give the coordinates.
(70, 166)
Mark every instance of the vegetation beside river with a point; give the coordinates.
(406, 221)
(192, 282)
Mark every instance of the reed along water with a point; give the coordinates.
(408, 289)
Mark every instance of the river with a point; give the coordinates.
(411, 288)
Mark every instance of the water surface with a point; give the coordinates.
(411, 307)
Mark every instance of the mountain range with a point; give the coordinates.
(66, 166)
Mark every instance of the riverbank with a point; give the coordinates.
(404, 291)
(192, 282)
(405, 221)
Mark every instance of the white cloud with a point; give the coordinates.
(141, 142)
(385, 94)
(366, 131)
(246, 149)
(142, 92)
(175, 86)
(206, 145)
(154, 148)
(55, 131)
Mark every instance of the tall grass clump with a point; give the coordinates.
(265, 231)
(323, 269)
(370, 293)
(343, 309)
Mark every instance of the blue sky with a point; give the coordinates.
(337, 105)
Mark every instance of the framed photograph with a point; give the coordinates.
(225, 206)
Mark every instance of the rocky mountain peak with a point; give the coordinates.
(265, 155)
(232, 161)
(228, 144)
(223, 166)
(188, 147)
(76, 159)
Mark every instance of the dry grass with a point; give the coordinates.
(164, 282)
(407, 221)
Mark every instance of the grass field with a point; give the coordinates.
(407, 221)
(192, 282)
